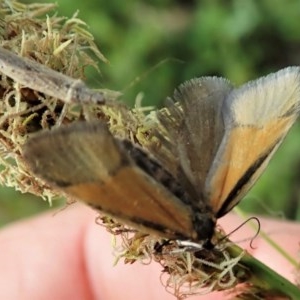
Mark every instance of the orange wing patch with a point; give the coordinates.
(131, 195)
(253, 143)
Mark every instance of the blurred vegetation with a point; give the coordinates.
(154, 47)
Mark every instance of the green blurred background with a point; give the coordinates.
(154, 47)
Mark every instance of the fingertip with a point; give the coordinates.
(42, 256)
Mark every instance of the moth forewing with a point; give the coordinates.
(244, 184)
(199, 134)
(74, 154)
(133, 197)
(86, 162)
(257, 117)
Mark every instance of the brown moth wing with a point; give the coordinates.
(85, 161)
(196, 127)
(257, 117)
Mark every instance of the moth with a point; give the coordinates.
(221, 139)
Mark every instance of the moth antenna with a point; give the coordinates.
(240, 226)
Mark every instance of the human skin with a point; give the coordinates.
(65, 255)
